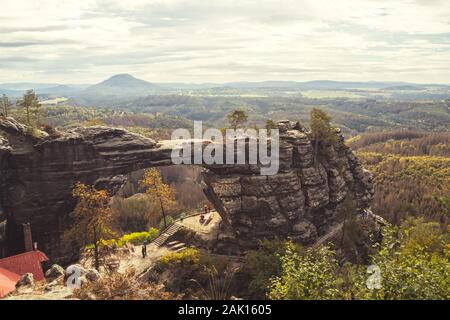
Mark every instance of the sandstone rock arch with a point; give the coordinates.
(37, 174)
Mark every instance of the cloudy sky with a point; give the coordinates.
(85, 41)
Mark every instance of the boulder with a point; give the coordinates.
(92, 275)
(27, 280)
(55, 272)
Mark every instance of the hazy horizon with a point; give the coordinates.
(215, 82)
(188, 41)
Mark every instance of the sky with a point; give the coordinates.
(86, 41)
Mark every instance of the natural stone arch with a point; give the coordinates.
(299, 201)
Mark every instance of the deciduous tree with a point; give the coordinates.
(158, 191)
(92, 220)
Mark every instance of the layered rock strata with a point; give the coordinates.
(38, 171)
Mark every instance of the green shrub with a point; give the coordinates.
(312, 276)
(411, 262)
(135, 238)
(185, 256)
(103, 243)
(261, 265)
(153, 233)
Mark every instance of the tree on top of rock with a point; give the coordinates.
(5, 105)
(30, 103)
(158, 191)
(237, 118)
(92, 220)
(321, 129)
(270, 124)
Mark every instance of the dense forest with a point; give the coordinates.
(351, 115)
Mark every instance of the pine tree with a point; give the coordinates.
(30, 103)
(5, 104)
(321, 129)
(237, 118)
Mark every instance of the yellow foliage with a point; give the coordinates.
(158, 191)
(92, 219)
(188, 255)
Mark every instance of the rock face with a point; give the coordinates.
(4, 155)
(299, 202)
(55, 272)
(38, 173)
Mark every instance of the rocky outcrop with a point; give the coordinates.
(301, 201)
(38, 172)
(55, 272)
(27, 280)
(5, 151)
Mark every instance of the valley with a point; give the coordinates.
(328, 214)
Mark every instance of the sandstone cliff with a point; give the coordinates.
(299, 202)
(37, 173)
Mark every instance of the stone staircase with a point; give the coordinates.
(161, 239)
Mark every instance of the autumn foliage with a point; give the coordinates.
(92, 220)
(122, 286)
(158, 191)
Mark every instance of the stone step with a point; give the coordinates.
(177, 246)
(169, 232)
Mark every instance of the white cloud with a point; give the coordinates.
(233, 40)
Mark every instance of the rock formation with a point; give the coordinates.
(299, 202)
(37, 172)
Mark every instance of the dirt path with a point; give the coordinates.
(134, 259)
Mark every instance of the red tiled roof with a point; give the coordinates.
(8, 281)
(28, 262)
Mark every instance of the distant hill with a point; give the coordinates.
(57, 90)
(52, 89)
(10, 93)
(125, 86)
(338, 85)
(404, 87)
(120, 84)
(22, 86)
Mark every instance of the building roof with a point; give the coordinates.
(28, 262)
(8, 281)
